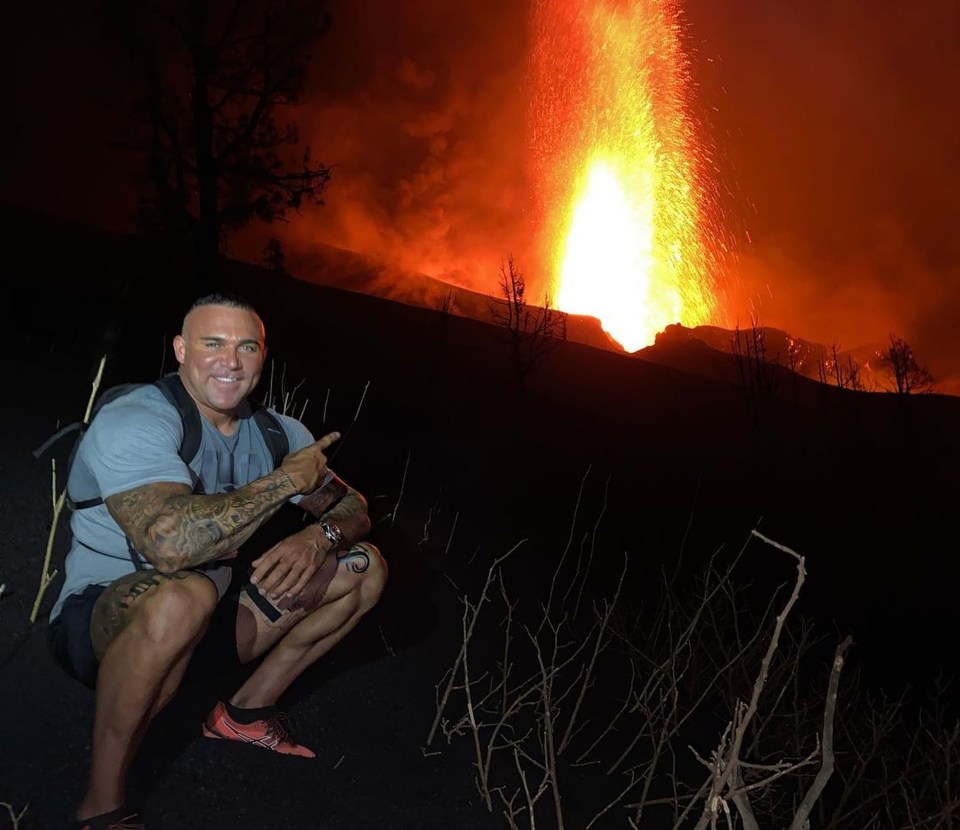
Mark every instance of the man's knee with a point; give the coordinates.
(166, 609)
(179, 610)
(366, 560)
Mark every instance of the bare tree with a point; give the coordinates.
(759, 375)
(212, 76)
(447, 304)
(533, 331)
(854, 374)
(908, 374)
(847, 372)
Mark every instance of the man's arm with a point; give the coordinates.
(175, 529)
(338, 503)
(287, 567)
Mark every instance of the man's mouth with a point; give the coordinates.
(226, 380)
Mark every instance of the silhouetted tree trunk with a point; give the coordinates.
(207, 238)
(211, 77)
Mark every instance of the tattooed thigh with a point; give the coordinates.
(122, 601)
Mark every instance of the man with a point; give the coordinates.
(131, 631)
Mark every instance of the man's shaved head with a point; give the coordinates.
(224, 298)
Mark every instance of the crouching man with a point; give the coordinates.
(154, 541)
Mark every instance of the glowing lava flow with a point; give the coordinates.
(616, 166)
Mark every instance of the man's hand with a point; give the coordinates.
(308, 466)
(286, 568)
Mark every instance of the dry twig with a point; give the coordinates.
(46, 577)
(14, 815)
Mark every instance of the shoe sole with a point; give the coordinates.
(209, 733)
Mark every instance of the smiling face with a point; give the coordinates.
(221, 352)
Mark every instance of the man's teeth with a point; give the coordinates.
(227, 380)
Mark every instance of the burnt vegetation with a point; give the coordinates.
(711, 704)
(909, 375)
(765, 374)
(531, 330)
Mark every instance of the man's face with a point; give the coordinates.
(221, 353)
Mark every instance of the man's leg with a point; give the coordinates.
(330, 606)
(144, 628)
(333, 602)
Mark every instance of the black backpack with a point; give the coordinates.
(174, 391)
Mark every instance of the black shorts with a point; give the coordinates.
(69, 636)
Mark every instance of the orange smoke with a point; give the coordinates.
(625, 211)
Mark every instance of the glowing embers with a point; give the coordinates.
(618, 167)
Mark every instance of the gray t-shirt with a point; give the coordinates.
(135, 440)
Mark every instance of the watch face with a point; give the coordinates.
(332, 532)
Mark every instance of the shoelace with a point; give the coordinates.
(279, 727)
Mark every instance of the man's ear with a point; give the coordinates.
(179, 348)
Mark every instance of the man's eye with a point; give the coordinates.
(250, 347)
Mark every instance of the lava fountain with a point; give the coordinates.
(624, 209)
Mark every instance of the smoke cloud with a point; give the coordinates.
(419, 108)
(856, 302)
(836, 153)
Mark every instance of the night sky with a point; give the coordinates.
(831, 124)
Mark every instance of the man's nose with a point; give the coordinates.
(231, 358)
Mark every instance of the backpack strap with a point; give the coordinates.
(175, 392)
(270, 428)
(83, 504)
(273, 433)
(75, 426)
(106, 397)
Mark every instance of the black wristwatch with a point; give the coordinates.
(333, 533)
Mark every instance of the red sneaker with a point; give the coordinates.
(267, 734)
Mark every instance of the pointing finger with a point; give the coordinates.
(328, 439)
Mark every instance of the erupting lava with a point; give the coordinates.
(617, 168)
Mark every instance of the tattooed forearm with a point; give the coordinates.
(338, 503)
(351, 507)
(175, 529)
(324, 498)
